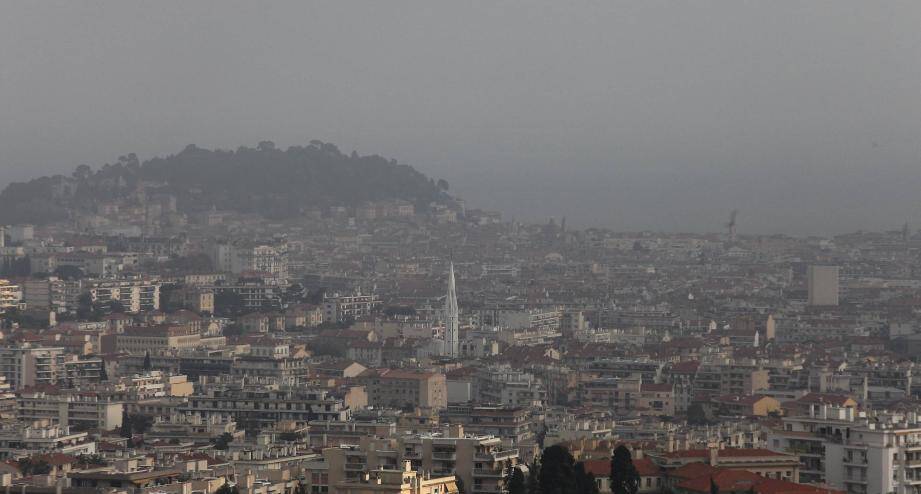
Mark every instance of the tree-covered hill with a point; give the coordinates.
(267, 180)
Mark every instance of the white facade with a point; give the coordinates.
(851, 452)
(451, 317)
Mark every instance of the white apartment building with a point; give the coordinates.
(69, 410)
(135, 295)
(238, 258)
(18, 439)
(480, 461)
(850, 451)
(339, 307)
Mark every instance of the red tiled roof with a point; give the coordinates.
(602, 468)
(777, 486)
(691, 471)
(726, 480)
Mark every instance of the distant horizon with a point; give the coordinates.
(629, 115)
(572, 220)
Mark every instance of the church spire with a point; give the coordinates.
(451, 316)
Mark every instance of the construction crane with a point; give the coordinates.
(731, 226)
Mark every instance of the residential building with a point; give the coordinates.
(403, 388)
(822, 285)
(74, 410)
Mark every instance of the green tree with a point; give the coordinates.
(228, 304)
(85, 309)
(147, 365)
(541, 435)
(223, 441)
(140, 423)
(126, 429)
(557, 471)
(459, 482)
(69, 273)
(532, 482)
(227, 489)
(697, 415)
(515, 481)
(31, 466)
(585, 481)
(624, 477)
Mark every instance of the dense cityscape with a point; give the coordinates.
(157, 340)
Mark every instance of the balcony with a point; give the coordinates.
(491, 489)
(444, 455)
(487, 472)
(498, 455)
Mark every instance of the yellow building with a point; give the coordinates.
(157, 339)
(745, 405)
(10, 295)
(404, 481)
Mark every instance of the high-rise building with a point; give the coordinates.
(451, 317)
(822, 283)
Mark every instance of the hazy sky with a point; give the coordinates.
(806, 116)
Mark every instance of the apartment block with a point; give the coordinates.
(77, 411)
(405, 389)
(25, 365)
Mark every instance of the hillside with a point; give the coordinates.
(266, 180)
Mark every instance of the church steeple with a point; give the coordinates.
(451, 316)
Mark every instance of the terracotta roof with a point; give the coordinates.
(602, 468)
(777, 486)
(691, 471)
(726, 480)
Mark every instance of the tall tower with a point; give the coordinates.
(822, 285)
(451, 316)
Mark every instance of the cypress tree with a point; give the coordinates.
(585, 481)
(515, 481)
(557, 471)
(624, 477)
